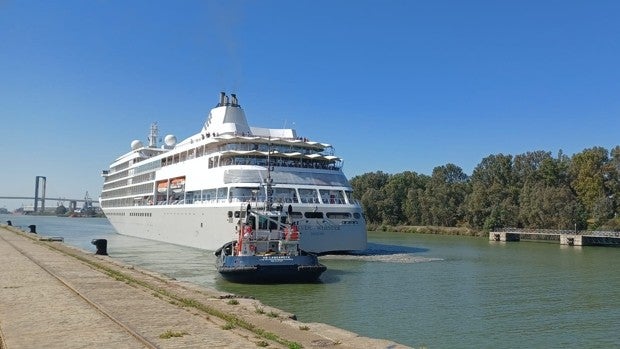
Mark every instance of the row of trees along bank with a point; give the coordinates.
(531, 190)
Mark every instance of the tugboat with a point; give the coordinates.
(267, 251)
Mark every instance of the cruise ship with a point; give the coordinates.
(197, 191)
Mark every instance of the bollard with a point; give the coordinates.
(33, 228)
(9, 223)
(102, 246)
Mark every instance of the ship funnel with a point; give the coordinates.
(230, 121)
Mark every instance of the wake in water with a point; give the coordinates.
(386, 254)
(391, 258)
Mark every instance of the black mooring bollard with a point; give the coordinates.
(33, 228)
(9, 223)
(102, 246)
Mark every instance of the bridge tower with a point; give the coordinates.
(37, 185)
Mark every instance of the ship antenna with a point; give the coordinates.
(153, 136)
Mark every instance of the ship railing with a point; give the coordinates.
(310, 200)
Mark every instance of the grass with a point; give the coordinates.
(231, 319)
(233, 302)
(170, 334)
(228, 326)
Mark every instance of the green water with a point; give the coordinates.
(470, 293)
(419, 290)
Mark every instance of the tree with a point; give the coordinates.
(445, 194)
(589, 170)
(61, 210)
(369, 188)
(549, 207)
(493, 201)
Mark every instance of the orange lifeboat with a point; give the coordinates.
(162, 187)
(177, 184)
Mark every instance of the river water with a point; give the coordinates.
(418, 290)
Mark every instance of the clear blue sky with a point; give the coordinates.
(394, 85)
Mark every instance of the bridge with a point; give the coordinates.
(73, 203)
(52, 199)
(40, 185)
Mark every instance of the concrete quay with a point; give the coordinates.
(56, 296)
(564, 237)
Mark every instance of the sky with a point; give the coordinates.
(395, 85)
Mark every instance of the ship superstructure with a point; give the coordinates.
(195, 192)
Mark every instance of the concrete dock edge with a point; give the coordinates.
(56, 296)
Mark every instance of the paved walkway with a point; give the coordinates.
(56, 296)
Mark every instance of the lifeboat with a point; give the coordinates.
(162, 187)
(177, 184)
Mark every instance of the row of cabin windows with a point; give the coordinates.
(203, 150)
(218, 161)
(276, 160)
(278, 195)
(309, 214)
(226, 194)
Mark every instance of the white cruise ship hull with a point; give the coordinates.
(208, 227)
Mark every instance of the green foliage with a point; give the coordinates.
(533, 190)
(228, 326)
(170, 334)
(61, 210)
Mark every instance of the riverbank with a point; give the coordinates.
(54, 295)
(428, 229)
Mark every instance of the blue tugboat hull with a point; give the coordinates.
(270, 269)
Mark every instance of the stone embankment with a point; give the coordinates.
(56, 296)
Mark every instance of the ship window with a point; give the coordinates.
(350, 196)
(314, 214)
(308, 196)
(296, 215)
(332, 196)
(243, 194)
(356, 215)
(285, 195)
(208, 194)
(222, 194)
(338, 215)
